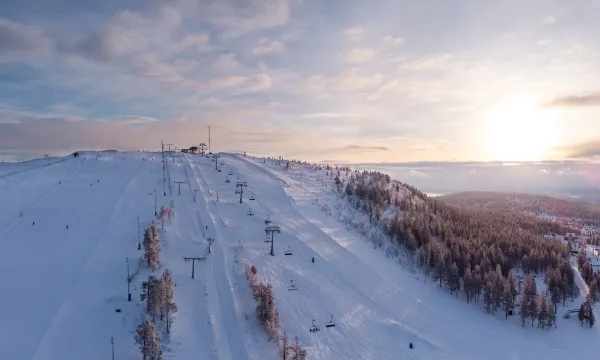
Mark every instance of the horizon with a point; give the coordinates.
(399, 81)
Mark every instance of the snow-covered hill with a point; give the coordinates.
(62, 286)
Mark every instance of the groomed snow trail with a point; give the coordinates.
(232, 343)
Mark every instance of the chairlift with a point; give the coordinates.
(292, 286)
(252, 197)
(289, 251)
(237, 191)
(231, 173)
(330, 323)
(250, 213)
(219, 170)
(227, 181)
(313, 328)
(267, 239)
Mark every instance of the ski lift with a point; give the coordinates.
(252, 197)
(230, 173)
(227, 181)
(219, 170)
(330, 323)
(237, 191)
(250, 213)
(267, 221)
(289, 251)
(292, 286)
(267, 240)
(313, 328)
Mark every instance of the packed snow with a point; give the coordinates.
(64, 285)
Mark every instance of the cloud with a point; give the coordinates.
(354, 34)
(366, 148)
(251, 15)
(350, 81)
(358, 55)
(241, 84)
(268, 47)
(227, 62)
(391, 41)
(15, 37)
(585, 150)
(549, 20)
(330, 115)
(199, 42)
(573, 101)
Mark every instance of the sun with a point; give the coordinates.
(520, 131)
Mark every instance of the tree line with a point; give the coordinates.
(269, 316)
(470, 250)
(158, 293)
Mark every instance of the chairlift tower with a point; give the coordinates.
(272, 229)
(216, 157)
(193, 260)
(240, 185)
(179, 183)
(202, 147)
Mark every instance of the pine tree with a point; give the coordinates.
(152, 292)
(593, 291)
(148, 340)
(151, 247)
(166, 297)
(581, 313)
(487, 296)
(507, 299)
(542, 311)
(285, 346)
(298, 352)
(377, 212)
(468, 284)
(453, 279)
(551, 318)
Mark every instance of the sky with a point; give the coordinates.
(353, 80)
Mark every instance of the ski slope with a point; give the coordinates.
(63, 285)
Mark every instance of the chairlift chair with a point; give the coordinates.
(230, 173)
(227, 181)
(289, 251)
(252, 197)
(330, 323)
(292, 286)
(219, 170)
(267, 239)
(237, 191)
(250, 213)
(313, 328)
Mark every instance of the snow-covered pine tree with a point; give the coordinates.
(508, 303)
(147, 339)
(542, 311)
(285, 346)
(513, 285)
(153, 295)
(581, 313)
(468, 284)
(487, 296)
(453, 279)
(551, 318)
(298, 352)
(167, 297)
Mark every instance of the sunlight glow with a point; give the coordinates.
(520, 131)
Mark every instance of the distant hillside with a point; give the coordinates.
(498, 201)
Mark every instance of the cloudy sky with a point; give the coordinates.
(383, 80)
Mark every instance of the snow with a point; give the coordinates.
(64, 285)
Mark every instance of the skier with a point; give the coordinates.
(33, 223)
(313, 259)
(98, 180)
(67, 227)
